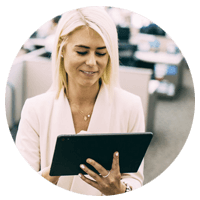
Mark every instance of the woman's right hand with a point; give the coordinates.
(52, 179)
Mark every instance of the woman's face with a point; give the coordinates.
(85, 57)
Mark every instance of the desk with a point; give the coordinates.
(159, 57)
(172, 81)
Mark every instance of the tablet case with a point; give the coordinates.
(73, 150)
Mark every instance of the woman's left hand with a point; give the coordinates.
(109, 185)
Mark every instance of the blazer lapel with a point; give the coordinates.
(100, 120)
(64, 120)
(61, 121)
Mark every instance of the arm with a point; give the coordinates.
(135, 180)
(28, 141)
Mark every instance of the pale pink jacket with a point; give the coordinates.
(43, 118)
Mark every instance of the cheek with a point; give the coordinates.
(105, 62)
(69, 63)
(69, 59)
(66, 65)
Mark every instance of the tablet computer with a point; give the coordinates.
(73, 150)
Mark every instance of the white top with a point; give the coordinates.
(43, 118)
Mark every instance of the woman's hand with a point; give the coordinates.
(52, 179)
(109, 185)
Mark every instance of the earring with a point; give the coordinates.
(62, 56)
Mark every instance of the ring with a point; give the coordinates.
(106, 175)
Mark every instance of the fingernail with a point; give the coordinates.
(79, 175)
(82, 166)
(88, 160)
(117, 154)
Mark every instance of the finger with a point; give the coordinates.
(89, 181)
(115, 163)
(97, 166)
(90, 172)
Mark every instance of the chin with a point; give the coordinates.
(90, 83)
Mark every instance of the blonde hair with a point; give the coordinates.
(98, 19)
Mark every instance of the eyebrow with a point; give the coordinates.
(86, 47)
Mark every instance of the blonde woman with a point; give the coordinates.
(85, 96)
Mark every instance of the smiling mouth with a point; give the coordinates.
(87, 72)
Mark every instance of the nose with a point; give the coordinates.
(91, 60)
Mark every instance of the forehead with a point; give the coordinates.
(86, 36)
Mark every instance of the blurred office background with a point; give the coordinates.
(151, 66)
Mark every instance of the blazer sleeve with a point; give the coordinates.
(136, 119)
(136, 124)
(27, 140)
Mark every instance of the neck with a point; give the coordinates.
(83, 95)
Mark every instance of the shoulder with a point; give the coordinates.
(125, 97)
(41, 101)
(129, 107)
(126, 102)
(42, 98)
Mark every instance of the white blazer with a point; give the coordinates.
(43, 118)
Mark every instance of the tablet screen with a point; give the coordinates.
(73, 150)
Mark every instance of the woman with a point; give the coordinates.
(84, 97)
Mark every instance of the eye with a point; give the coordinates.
(82, 53)
(100, 54)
